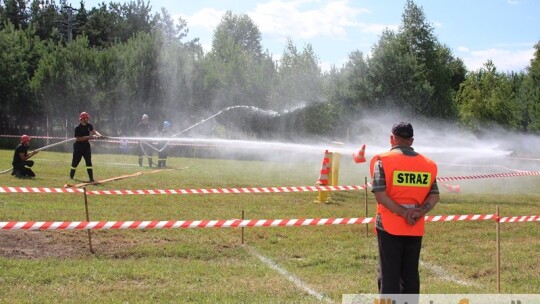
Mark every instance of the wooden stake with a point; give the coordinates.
(365, 203)
(242, 228)
(88, 220)
(498, 252)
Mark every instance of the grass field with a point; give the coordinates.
(310, 264)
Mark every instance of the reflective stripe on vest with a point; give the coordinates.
(408, 182)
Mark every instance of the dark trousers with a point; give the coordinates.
(399, 257)
(162, 157)
(80, 151)
(23, 169)
(142, 151)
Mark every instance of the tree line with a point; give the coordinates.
(118, 61)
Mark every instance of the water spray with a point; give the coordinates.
(252, 108)
(144, 140)
(272, 113)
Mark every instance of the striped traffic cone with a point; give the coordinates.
(359, 157)
(325, 178)
(325, 171)
(452, 188)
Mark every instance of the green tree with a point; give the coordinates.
(133, 17)
(178, 65)
(113, 23)
(299, 78)
(238, 31)
(79, 20)
(438, 65)
(529, 95)
(20, 52)
(107, 75)
(139, 82)
(45, 18)
(100, 27)
(355, 91)
(349, 89)
(63, 82)
(14, 12)
(397, 79)
(236, 70)
(171, 32)
(486, 97)
(301, 90)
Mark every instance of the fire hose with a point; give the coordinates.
(41, 149)
(46, 147)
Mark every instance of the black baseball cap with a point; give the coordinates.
(403, 130)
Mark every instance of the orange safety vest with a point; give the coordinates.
(408, 182)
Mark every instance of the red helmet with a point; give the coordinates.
(25, 138)
(84, 115)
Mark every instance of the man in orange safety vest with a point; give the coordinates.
(405, 187)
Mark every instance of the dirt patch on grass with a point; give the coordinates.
(53, 244)
(33, 244)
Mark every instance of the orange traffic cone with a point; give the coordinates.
(359, 157)
(323, 177)
(452, 188)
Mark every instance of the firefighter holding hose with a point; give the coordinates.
(144, 129)
(164, 146)
(21, 165)
(84, 132)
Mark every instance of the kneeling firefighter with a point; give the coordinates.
(21, 165)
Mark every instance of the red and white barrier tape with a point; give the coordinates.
(236, 223)
(449, 218)
(183, 191)
(39, 190)
(451, 188)
(492, 175)
(476, 217)
(524, 158)
(33, 136)
(515, 219)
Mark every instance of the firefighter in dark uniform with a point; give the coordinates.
(81, 147)
(164, 145)
(405, 187)
(144, 129)
(21, 164)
